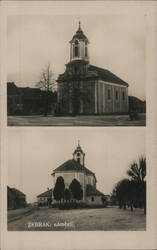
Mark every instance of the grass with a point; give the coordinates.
(107, 219)
(101, 120)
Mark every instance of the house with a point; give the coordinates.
(15, 198)
(137, 105)
(87, 89)
(29, 101)
(75, 169)
(45, 198)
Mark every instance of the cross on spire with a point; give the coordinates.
(79, 25)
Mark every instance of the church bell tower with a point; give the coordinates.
(79, 46)
(79, 155)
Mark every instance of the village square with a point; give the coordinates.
(84, 95)
(74, 201)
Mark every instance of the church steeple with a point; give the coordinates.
(79, 26)
(79, 155)
(79, 46)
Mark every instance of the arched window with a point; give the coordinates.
(76, 49)
(109, 94)
(116, 95)
(86, 51)
(123, 95)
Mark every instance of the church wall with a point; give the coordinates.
(108, 101)
(88, 97)
(90, 180)
(63, 97)
(124, 103)
(109, 98)
(81, 177)
(94, 200)
(116, 99)
(69, 176)
(96, 97)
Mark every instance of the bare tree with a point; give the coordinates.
(48, 84)
(46, 81)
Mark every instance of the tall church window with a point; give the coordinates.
(123, 95)
(86, 51)
(76, 49)
(116, 93)
(109, 94)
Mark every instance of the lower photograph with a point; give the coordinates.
(76, 179)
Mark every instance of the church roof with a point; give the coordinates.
(91, 190)
(107, 75)
(79, 34)
(78, 149)
(48, 193)
(72, 165)
(95, 73)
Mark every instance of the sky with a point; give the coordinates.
(33, 153)
(117, 43)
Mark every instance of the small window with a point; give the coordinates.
(116, 95)
(123, 95)
(78, 154)
(109, 94)
(92, 199)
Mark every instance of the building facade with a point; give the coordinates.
(29, 101)
(45, 199)
(15, 198)
(86, 89)
(75, 169)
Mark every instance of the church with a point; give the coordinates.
(75, 169)
(85, 89)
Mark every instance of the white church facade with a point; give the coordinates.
(75, 169)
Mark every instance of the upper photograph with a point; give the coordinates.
(76, 70)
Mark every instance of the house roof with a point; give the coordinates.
(48, 193)
(12, 89)
(72, 165)
(136, 101)
(17, 192)
(107, 75)
(91, 190)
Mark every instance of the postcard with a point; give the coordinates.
(78, 125)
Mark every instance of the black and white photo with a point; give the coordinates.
(72, 184)
(84, 71)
